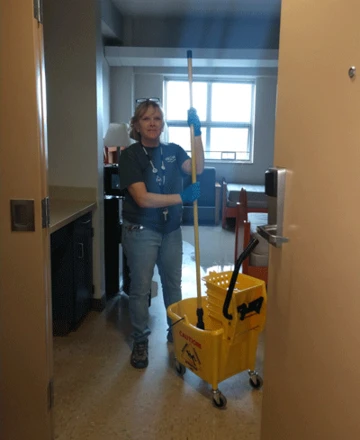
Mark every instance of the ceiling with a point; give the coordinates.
(203, 7)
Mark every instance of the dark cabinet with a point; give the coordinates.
(71, 274)
(83, 267)
(62, 275)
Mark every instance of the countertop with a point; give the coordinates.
(63, 212)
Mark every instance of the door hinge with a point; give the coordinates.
(92, 232)
(51, 394)
(38, 10)
(93, 289)
(45, 212)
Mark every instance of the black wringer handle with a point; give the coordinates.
(242, 257)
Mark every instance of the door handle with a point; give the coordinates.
(80, 250)
(269, 232)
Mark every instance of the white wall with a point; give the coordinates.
(128, 84)
(122, 94)
(106, 94)
(149, 86)
(74, 80)
(70, 57)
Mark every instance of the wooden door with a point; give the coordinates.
(312, 360)
(25, 300)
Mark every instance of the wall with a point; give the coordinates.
(122, 93)
(106, 94)
(70, 59)
(74, 69)
(127, 84)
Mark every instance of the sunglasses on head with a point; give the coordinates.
(140, 100)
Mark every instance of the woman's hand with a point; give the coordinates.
(191, 193)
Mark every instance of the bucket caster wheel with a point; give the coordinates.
(180, 369)
(219, 400)
(255, 380)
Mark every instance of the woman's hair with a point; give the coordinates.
(139, 112)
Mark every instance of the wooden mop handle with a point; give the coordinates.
(193, 179)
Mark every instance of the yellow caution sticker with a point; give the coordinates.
(190, 357)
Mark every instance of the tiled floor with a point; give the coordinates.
(99, 396)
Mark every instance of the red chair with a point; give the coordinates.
(243, 235)
(252, 200)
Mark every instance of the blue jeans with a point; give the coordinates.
(145, 248)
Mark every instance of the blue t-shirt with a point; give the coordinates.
(135, 166)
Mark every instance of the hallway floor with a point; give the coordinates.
(99, 396)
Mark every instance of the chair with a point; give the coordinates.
(251, 197)
(245, 228)
(111, 155)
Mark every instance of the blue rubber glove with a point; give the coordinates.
(191, 193)
(193, 119)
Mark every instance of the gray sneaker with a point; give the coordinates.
(139, 355)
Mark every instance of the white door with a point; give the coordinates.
(25, 306)
(312, 356)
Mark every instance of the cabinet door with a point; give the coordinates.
(83, 275)
(62, 280)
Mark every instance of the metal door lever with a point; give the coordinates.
(269, 232)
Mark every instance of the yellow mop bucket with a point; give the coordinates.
(234, 315)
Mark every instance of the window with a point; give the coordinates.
(226, 112)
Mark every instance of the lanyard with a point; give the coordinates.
(159, 180)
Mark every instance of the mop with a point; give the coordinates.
(199, 310)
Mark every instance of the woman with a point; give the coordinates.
(151, 173)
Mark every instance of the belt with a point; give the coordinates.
(134, 227)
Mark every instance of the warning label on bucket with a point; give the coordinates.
(190, 357)
(190, 339)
